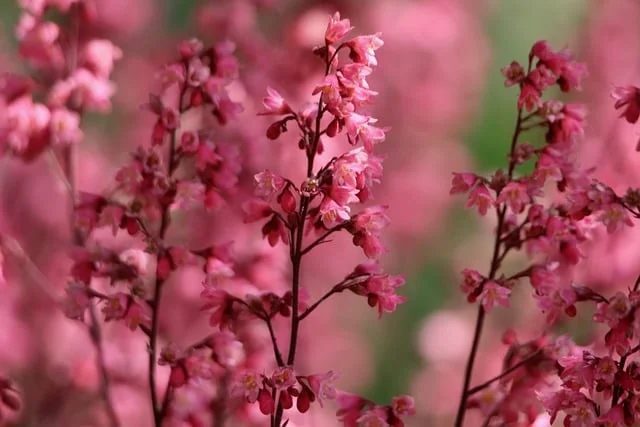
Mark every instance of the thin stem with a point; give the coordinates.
(321, 239)
(315, 305)
(506, 372)
(274, 342)
(296, 244)
(496, 260)
(617, 390)
(160, 412)
(297, 260)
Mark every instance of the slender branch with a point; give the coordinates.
(274, 342)
(495, 266)
(506, 372)
(321, 239)
(296, 244)
(315, 305)
(617, 390)
(159, 412)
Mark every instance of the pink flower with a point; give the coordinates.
(481, 198)
(382, 290)
(615, 217)
(249, 384)
(189, 142)
(322, 385)
(403, 406)
(462, 182)
(275, 104)
(197, 72)
(492, 294)
(349, 408)
(360, 127)
(268, 183)
(529, 97)
(627, 97)
(222, 305)
(99, 56)
(363, 49)
(337, 29)
(137, 259)
(332, 214)
(65, 127)
(513, 73)
(515, 195)
(283, 378)
(471, 281)
(89, 91)
(373, 418)
(190, 48)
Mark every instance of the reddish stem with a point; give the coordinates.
(159, 412)
(496, 260)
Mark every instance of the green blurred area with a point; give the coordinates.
(512, 27)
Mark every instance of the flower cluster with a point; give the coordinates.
(73, 77)
(321, 204)
(552, 229)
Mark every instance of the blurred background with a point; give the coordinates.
(441, 92)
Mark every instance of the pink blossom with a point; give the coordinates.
(249, 384)
(360, 127)
(332, 214)
(99, 56)
(492, 294)
(462, 182)
(337, 29)
(268, 183)
(322, 385)
(382, 290)
(627, 97)
(89, 91)
(283, 378)
(529, 97)
(65, 127)
(513, 73)
(481, 198)
(197, 72)
(403, 406)
(373, 418)
(275, 104)
(515, 196)
(362, 49)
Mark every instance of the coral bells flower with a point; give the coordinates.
(321, 385)
(492, 294)
(249, 384)
(381, 292)
(337, 29)
(283, 378)
(222, 303)
(366, 228)
(268, 184)
(481, 198)
(513, 73)
(362, 49)
(628, 99)
(275, 104)
(403, 406)
(462, 182)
